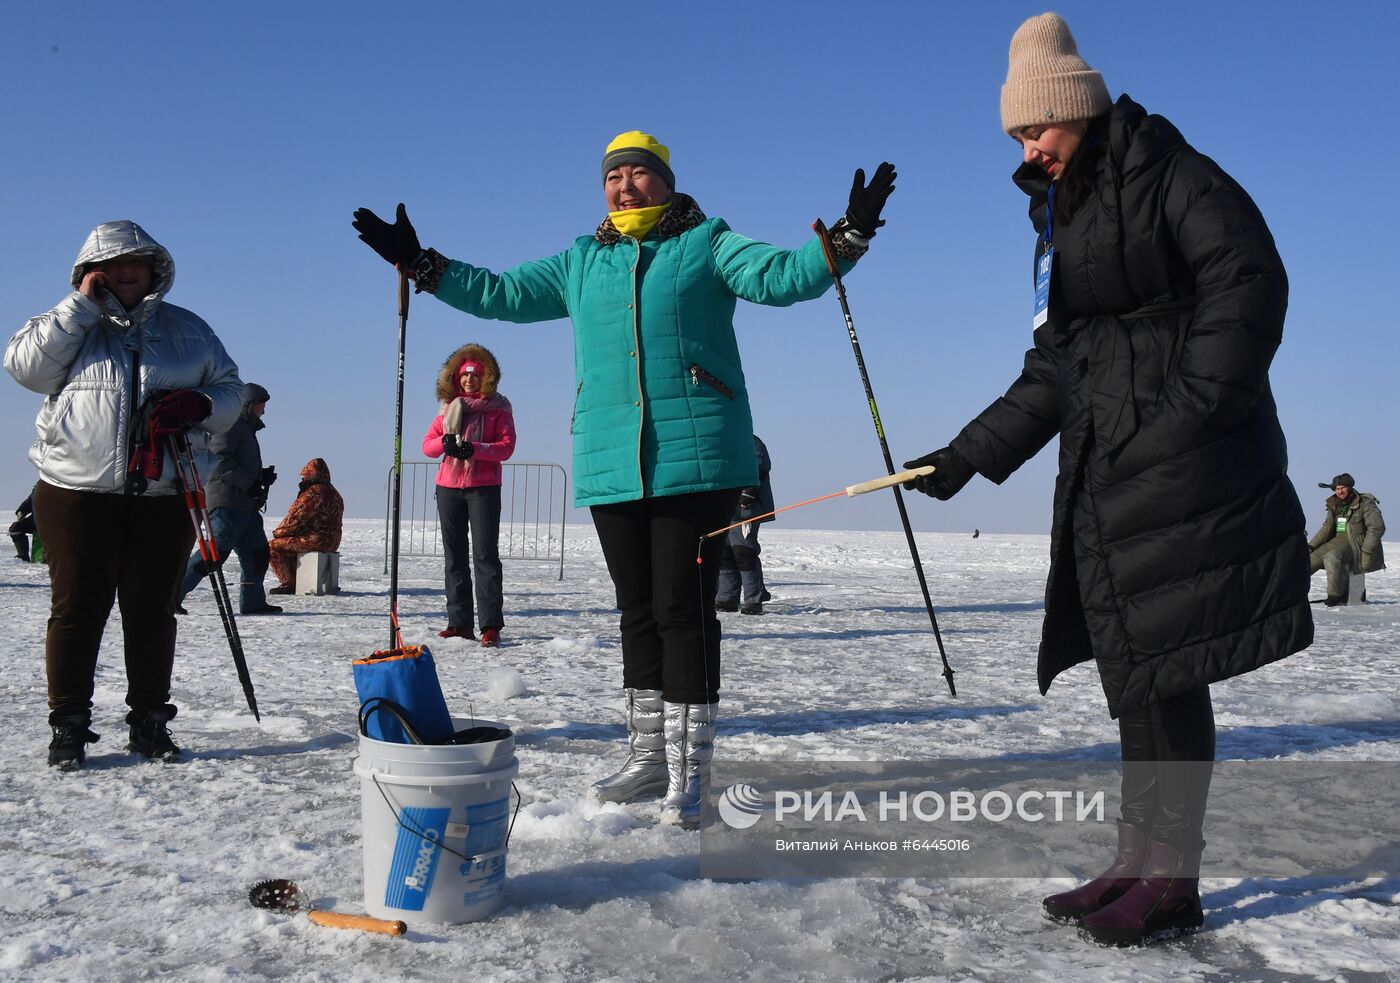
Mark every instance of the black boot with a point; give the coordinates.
(68, 750)
(150, 738)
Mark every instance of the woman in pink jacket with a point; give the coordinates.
(472, 433)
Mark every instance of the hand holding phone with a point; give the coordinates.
(93, 281)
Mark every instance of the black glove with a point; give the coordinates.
(397, 243)
(950, 473)
(863, 210)
(269, 476)
(454, 446)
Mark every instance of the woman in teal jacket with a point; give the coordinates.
(661, 423)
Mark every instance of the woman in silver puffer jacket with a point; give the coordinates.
(112, 354)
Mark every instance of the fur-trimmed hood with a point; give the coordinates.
(447, 388)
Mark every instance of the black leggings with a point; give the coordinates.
(1168, 753)
(670, 635)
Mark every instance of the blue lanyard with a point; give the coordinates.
(1043, 265)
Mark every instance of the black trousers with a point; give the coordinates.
(670, 635)
(105, 547)
(471, 532)
(1168, 755)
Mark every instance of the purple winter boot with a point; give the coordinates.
(1166, 902)
(1070, 906)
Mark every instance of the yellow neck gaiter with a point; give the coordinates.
(637, 222)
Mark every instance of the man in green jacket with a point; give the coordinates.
(1350, 538)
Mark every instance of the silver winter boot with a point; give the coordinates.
(645, 768)
(690, 744)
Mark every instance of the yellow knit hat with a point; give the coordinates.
(636, 147)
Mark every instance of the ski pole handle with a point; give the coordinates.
(875, 484)
(334, 919)
(824, 237)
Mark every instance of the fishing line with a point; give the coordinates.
(850, 491)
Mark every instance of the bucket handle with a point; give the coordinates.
(511, 828)
(380, 704)
(418, 832)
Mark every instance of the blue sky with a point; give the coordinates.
(243, 136)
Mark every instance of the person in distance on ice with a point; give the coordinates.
(1178, 555)
(663, 436)
(1349, 539)
(312, 524)
(23, 527)
(235, 495)
(473, 432)
(740, 570)
(120, 370)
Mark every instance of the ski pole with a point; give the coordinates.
(193, 491)
(395, 636)
(820, 228)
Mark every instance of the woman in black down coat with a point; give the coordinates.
(1178, 554)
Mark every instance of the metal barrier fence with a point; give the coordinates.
(533, 498)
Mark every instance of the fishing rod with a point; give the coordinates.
(850, 491)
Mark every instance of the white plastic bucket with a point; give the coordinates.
(435, 819)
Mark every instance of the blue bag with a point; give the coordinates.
(407, 678)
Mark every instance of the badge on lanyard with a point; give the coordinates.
(1043, 265)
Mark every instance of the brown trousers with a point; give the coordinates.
(105, 547)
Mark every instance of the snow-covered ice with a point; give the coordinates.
(129, 870)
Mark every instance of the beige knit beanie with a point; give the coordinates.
(1046, 80)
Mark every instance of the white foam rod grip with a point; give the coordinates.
(875, 484)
